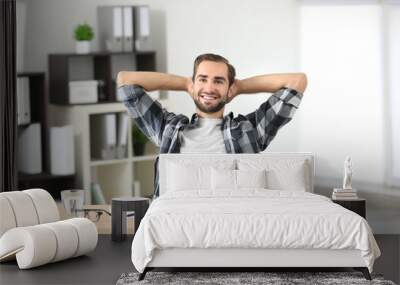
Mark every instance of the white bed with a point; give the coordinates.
(202, 219)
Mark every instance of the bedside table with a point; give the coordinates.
(119, 207)
(358, 205)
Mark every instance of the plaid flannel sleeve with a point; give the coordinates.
(147, 113)
(273, 114)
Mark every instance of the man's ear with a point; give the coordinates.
(190, 86)
(230, 91)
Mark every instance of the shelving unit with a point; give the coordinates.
(38, 109)
(115, 176)
(103, 66)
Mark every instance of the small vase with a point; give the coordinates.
(82, 47)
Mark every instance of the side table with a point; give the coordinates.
(119, 207)
(357, 205)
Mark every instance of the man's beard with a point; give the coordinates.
(209, 109)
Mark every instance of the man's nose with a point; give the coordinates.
(209, 87)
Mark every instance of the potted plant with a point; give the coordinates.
(83, 35)
(139, 140)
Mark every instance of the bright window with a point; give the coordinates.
(350, 51)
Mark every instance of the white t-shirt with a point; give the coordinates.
(206, 138)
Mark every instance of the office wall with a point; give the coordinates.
(256, 36)
(245, 32)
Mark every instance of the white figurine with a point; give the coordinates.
(348, 173)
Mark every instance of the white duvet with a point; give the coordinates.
(253, 218)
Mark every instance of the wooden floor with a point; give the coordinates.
(111, 259)
(102, 266)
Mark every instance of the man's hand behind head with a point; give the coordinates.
(189, 87)
(234, 90)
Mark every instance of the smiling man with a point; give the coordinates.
(212, 86)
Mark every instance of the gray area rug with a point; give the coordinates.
(273, 278)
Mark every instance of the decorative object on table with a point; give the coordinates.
(344, 194)
(119, 209)
(83, 91)
(97, 194)
(62, 154)
(347, 192)
(73, 201)
(83, 35)
(139, 140)
(33, 233)
(100, 215)
(348, 173)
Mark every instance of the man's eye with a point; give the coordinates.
(219, 82)
(202, 80)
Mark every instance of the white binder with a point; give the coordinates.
(123, 121)
(62, 155)
(110, 27)
(103, 136)
(142, 21)
(23, 101)
(142, 28)
(110, 132)
(30, 149)
(128, 28)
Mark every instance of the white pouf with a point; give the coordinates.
(31, 233)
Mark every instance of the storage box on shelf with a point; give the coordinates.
(31, 89)
(100, 66)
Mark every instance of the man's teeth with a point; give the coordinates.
(209, 97)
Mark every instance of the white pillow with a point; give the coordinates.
(251, 178)
(186, 175)
(282, 174)
(222, 179)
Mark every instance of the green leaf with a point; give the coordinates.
(83, 32)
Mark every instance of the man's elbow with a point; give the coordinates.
(125, 77)
(121, 78)
(299, 82)
(302, 83)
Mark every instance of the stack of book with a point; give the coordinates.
(344, 194)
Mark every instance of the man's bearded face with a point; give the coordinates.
(211, 86)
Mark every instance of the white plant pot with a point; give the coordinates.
(82, 47)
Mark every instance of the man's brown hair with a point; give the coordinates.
(215, 58)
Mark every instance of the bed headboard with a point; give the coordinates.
(207, 159)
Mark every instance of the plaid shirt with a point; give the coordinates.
(250, 133)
